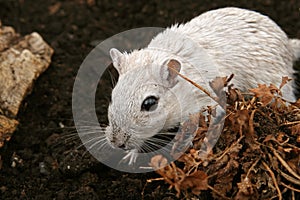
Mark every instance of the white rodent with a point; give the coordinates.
(149, 98)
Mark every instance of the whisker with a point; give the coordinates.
(167, 133)
(113, 80)
(89, 123)
(70, 138)
(102, 146)
(162, 138)
(148, 147)
(91, 140)
(86, 125)
(155, 142)
(152, 144)
(85, 133)
(94, 145)
(136, 144)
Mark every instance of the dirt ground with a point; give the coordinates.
(45, 165)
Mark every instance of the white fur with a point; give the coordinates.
(217, 43)
(295, 44)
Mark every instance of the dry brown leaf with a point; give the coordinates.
(284, 81)
(295, 129)
(188, 160)
(264, 93)
(274, 89)
(234, 95)
(188, 130)
(196, 181)
(297, 103)
(158, 162)
(218, 85)
(225, 177)
(240, 121)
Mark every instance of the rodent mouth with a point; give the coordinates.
(160, 140)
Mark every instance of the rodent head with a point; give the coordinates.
(141, 100)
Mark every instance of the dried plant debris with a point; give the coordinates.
(256, 157)
(22, 60)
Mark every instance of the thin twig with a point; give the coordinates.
(228, 149)
(195, 84)
(290, 187)
(252, 166)
(290, 123)
(251, 123)
(274, 179)
(217, 192)
(287, 167)
(289, 178)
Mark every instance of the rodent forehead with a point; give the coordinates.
(127, 100)
(134, 94)
(136, 82)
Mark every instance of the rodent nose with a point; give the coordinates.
(118, 145)
(121, 146)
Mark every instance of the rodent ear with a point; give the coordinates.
(116, 57)
(169, 72)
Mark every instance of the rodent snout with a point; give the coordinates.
(119, 140)
(121, 146)
(117, 143)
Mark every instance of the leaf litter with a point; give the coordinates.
(257, 155)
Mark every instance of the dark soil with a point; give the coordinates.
(38, 163)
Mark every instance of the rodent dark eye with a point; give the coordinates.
(149, 104)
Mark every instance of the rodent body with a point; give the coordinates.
(149, 98)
